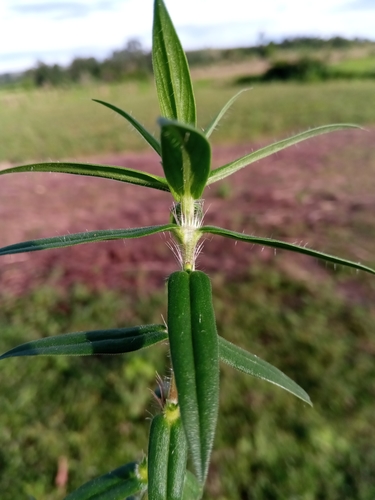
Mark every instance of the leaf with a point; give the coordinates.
(172, 76)
(116, 485)
(186, 156)
(87, 237)
(211, 127)
(104, 171)
(140, 128)
(248, 363)
(114, 341)
(269, 242)
(167, 455)
(193, 342)
(192, 488)
(230, 168)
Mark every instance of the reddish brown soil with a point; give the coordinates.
(300, 194)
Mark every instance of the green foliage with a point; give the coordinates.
(190, 398)
(172, 76)
(59, 124)
(249, 363)
(53, 407)
(267, 443)
(195, 361)
(306, 70)
(303, 70)
(167, 455)
(118, 484)
(115, 341)
(186, 155)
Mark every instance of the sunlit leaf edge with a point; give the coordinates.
(246, 362)
(211, 127)
(230, 168)
(270, 242)
(110, 172)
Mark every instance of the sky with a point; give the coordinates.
(57, 31)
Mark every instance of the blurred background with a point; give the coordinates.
(64, 421)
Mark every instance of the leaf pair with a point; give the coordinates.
(118, 484)
(167, 455)
(125, 340)
(129, 482)
(194, 348)
(116, 234)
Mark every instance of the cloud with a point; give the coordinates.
(360, 5)
(62, 10)
(220, 34)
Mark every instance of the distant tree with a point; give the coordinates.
(47, 75)
(80, 68)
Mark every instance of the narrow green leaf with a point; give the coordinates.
(211, 127)
(206, 356)
(269, 242)
(178, 454)
(194, 350)
(167, 455)
(116, 485)
(87, 237)
(103, 171)
(172, 76)
(192, 488)
(157, 459)
(186, 156)
(248, 363)
(114, 341)
(140, 128)
(230, 168)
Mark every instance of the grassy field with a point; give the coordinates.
(91, 414)
(56, 124)
(360, 65)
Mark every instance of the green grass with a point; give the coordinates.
(360, 65)
(65, 123)
(269, 445)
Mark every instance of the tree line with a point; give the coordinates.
(133, 62)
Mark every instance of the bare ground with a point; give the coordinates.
(320, 193)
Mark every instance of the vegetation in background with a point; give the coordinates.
(59, 123)
(267, 446)
(309, 70)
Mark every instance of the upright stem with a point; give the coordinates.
(188, 215)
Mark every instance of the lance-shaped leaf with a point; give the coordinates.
(248, 363)
(104, 171)
(167, 455)
(186, 156)
(116, 485)
(269, 242)
(193, 342)
(114, 341)
(69, 240)
(211, 127)
(140, 128)
(172, 76)
(230, 168)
